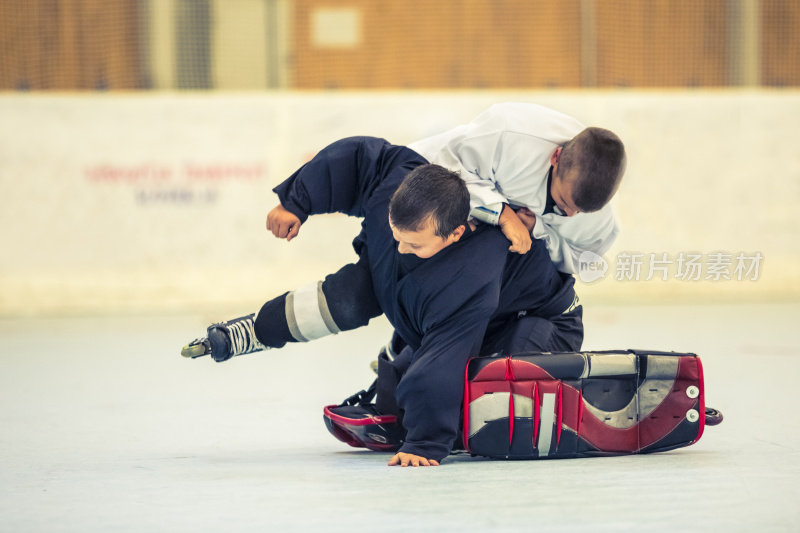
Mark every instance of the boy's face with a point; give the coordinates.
(423, 243)
(561, 191)
(561, 188)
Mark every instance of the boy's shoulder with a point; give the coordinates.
(477, 258)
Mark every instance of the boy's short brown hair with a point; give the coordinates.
(598, 157)
(430, 192)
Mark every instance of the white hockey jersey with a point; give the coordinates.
(504, 156)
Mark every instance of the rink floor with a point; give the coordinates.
(105, 428)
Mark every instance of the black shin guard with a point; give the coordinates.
(271, 326)
(345, 300)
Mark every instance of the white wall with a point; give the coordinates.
(157, 202)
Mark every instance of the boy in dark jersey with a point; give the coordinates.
(448, 285)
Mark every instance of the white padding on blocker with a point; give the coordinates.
(487, 408)
(546, 423)
(612, 365)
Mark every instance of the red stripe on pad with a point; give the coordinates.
(371, 419)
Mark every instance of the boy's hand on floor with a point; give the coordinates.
(409, 459)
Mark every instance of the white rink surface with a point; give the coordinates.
(104, 427)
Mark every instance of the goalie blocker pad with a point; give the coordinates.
(535, 406)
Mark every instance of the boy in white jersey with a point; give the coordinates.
(537, 172)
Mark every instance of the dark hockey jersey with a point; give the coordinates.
(439, 306)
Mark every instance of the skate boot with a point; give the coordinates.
(226, 340)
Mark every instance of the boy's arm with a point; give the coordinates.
(341, 178)
(515, 229)
(487, 203)
(431, 391)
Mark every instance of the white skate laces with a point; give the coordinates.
(242, 335)
(226, 340)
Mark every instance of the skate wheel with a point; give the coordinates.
(713, 416)
(195, 349)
